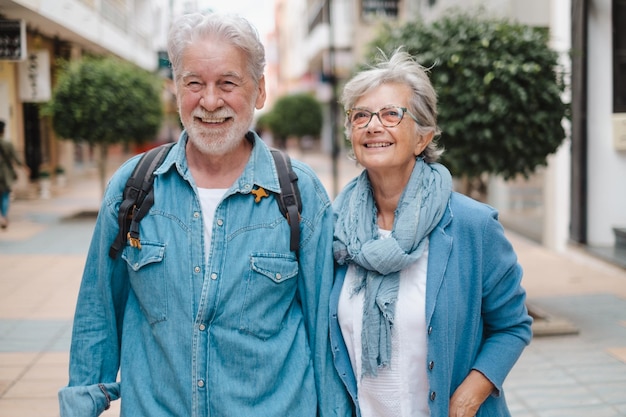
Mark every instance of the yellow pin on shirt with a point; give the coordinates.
(259, 193)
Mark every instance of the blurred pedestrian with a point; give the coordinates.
(8, 174)
(212, 314)
(428, 311)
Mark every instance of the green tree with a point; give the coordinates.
(499, 87)
(103, 101)
(297, 114)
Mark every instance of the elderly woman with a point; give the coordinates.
(428, 314)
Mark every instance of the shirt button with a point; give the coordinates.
(196, 269)
(201, 383)
(202, 327)
(433, 395)
(278, 277)
(220, 222)
(431, 365)
(196, 214)
(430, 329)
(213, 276)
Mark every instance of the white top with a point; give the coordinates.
(401, 390)
(209, 199)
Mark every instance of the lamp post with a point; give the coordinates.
(334, 107)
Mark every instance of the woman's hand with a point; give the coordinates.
(469, 396)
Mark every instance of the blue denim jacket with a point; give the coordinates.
(246, 334)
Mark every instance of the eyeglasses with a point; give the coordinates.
(388, 116)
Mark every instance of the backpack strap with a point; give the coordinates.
(289, 200)
(138, 198)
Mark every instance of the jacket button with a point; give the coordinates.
(431, 365)
(430, 329)
(433, 395)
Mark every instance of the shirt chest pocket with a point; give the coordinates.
(146, 271)
(270, 289)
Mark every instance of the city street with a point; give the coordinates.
(575, 365)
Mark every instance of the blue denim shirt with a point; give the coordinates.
(246, 334)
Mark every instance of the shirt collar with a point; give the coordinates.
(259, 171)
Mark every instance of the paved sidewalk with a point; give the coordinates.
(43, 252)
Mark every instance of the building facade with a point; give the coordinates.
(579, 198)
(34, 36)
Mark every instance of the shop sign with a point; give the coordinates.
(34, 77)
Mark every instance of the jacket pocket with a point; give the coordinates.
(270, 289)
(147, 279)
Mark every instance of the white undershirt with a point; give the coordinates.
(401, 390)
(209, 199)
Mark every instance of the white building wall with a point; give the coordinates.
(81, 24)
(606, 166)
(557, 176)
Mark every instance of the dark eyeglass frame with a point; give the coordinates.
(401, 110)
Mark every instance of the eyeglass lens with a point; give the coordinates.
(388, 116)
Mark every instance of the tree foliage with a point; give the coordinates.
(105, 101)
(499, 87)
(297, 114)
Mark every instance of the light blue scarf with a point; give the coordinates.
(379, 261)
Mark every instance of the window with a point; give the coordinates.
(379, 8)
(619, 56)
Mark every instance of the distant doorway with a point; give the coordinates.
(32, 139)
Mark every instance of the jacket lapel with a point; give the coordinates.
(439, 249)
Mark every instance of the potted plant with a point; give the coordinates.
(44, 184)
(59, 175)
(620, 236)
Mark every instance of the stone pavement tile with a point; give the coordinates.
(17, 358)
(598, 315)
(547, 273)
(581, 412)
(621, 409)
(39, 287)
(39, 371)
(62, 236)
(34, 335)
(34, 383)
(564, 397)
(12, 367)
(29, 407)
(35, 389)
(20, 230)
(610, 372)
(573, 375)
(611, 392)
(9, 373)
(619, 353)
(54, 358)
